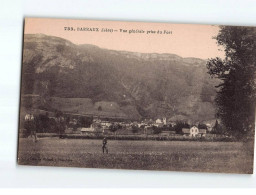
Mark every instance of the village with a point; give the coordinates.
(68, 124)
(148, 126)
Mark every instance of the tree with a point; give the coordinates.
(179, 126)
(217, 128)
(202, 126)
(99, 108)
(235, 98)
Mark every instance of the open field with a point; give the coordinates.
(229, 157)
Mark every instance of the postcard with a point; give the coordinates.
(137, 95)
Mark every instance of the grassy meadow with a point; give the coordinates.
(192, 156)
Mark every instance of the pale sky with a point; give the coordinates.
(186, 40)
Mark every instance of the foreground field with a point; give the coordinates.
(229, 157)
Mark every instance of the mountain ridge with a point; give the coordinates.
(138, 85)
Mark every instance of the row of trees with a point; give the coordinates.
(236, 94)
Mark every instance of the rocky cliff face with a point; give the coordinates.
(87, 79)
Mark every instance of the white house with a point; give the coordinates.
(161, 121)
(158, 121)
(87, 130)
(29, 117)
(194, 132)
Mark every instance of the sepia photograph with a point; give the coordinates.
(137, 95)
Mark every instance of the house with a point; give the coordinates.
(194, 132)
(211, 123)
(29, 117)
(105, 124)
(161, 121)
(85, 130)
(158, 121)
